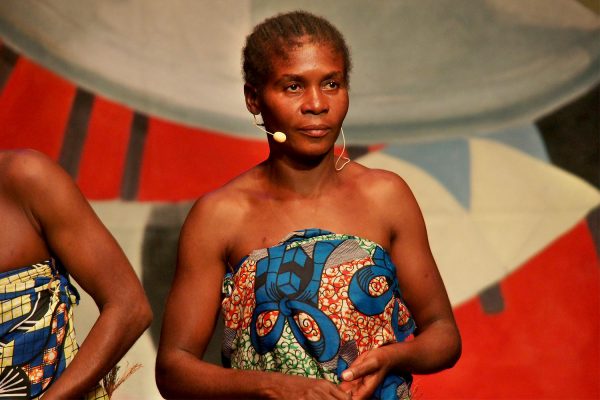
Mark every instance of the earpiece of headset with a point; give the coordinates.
(346, 159)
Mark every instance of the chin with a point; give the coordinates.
(314, 151)
(312, 157)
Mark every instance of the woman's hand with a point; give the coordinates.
(297, 387)
(365, 374)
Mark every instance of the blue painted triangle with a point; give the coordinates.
(524, 138)
(448, 161)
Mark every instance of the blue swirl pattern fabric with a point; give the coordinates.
(313, 303)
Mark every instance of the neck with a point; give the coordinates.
(304, 180)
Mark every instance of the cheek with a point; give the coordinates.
(277, 108)
(342, 107)
(279, 116)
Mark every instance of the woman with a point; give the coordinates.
(49, 232)
(323, 313)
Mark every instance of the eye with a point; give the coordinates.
(292, 87)
(332, 85)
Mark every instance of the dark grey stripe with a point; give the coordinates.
(76, 134)
(135, 154)
(491, 299)
(356, 151)
(159, 256)
(593, 221)
(8, 59)
(571, 136)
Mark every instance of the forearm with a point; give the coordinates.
(114, 332)
(435, 348)
(181, 375)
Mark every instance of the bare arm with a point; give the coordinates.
(76, 236)
(436, 344)
(190, 316)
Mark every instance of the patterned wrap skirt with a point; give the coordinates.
(37, 338)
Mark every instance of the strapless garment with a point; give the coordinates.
(37, 338)
(311, 305)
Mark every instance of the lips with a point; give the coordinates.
(315, 130)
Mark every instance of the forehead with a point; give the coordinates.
(307, 57)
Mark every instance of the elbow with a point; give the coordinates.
(180, 375)
(454, 350)
(138, 314)
(128, 306)
(143, 315)
(440, 348)
(164, 382)
(458, 350)
(444, 349)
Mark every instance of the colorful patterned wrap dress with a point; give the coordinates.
(37, 338)
(311, 304)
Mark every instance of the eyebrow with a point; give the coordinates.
(335, 74)
(294, 77)
(289, 77)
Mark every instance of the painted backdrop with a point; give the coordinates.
(488, 109)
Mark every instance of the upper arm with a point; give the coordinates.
(194, 300)
(72, 230)
(421, 284)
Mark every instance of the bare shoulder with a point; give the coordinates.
(380, 184)
(390, 199)
(226, 203)
(13, 160)
(25, 171)
(42, 200)
(220, 213)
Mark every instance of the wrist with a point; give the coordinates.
(393, 357)
(269, 385)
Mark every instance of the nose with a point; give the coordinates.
(315, 101)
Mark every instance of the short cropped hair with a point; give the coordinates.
(276, 35)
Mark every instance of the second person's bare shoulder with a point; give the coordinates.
(27, 170)
(23, 162)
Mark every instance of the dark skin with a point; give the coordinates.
(44, 215)
(297, 187)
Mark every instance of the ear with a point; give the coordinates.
(251, 96)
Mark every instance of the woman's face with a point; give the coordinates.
(306, 97)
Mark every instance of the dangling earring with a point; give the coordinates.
(346, 159)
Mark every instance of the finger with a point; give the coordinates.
(340, 394)
(345, 386)
(366, 388)
(348, 386)
(348, 375)
(363, 392)
(358, 370)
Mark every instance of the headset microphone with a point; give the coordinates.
(279, 136)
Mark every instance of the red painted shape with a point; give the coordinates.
(183, 163)
(544, 345)
(376, 147)
(34, 109)
(103, 158)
